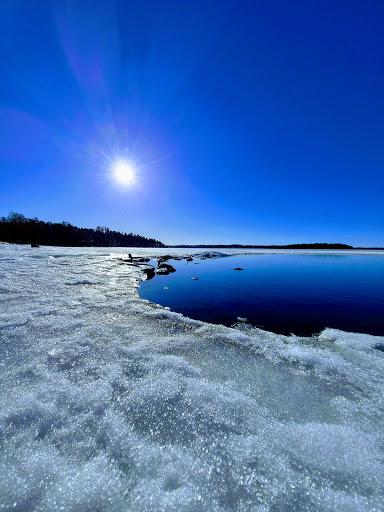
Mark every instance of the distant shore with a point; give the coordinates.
(18, 229)
(22, 230)
(313, 247)
(318, 246)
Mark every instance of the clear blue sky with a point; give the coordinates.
(249, 121)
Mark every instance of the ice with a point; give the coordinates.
(109, 402)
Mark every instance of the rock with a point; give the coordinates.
(35, 245)
(195, 278)
(149, 272)
(163, 258)
(189, 258)
(140, 260)
(211, 254)
(238, 268)
(163, 271)
(167, 266)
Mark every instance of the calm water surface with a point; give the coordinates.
(283, 293)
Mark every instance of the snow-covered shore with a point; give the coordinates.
(109, 402)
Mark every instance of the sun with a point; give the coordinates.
(124, 172)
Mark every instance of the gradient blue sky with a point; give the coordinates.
(250, 121)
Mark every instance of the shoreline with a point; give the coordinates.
(241, 322)
(114, 401)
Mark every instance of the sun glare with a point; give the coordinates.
(124, 172)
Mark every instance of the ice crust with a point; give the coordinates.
(109, 402)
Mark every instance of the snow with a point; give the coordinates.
(112, 403)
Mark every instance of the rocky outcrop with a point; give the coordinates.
(211, 254)
(167, 266)
(149, 270)
(149, 273)
(163, 271)
(161, 259)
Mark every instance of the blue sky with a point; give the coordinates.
(248, 121)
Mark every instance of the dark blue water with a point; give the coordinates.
(283, 293)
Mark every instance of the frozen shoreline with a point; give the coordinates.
(116, 403)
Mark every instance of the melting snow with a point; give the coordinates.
(111, 403)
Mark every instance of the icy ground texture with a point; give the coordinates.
(111, 403)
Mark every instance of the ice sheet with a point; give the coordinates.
(109, 402)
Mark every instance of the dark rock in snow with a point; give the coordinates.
(34, 245)
(163, 271)
(195, 278)
(189, 258)
(167, 266)
(166, 257)
(211, 254)
(149, 272)
(238, 268)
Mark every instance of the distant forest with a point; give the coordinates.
(21, 230)
(18, 229)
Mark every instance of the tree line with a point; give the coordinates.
(15, 228)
